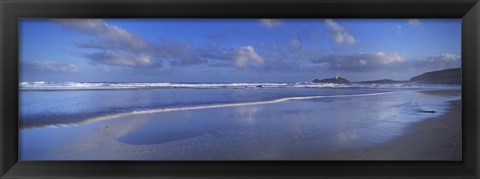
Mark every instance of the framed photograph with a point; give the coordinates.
(240, 89)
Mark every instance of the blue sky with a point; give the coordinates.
(235, 50)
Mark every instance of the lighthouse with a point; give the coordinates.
(336, 77)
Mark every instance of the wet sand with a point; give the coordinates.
(438, 138)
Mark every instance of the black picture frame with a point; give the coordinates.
(12, 10)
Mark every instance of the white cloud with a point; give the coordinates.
(414, 22)
(387, 58)
(118, 47)
(115, 46)
(51, 66)
(398, 29)
(270, 23)
(296, 45)
(363, 62)
(243, 55)
(118, 58)
(340, 34)
(359, 62)
(449, 57)
(109, 33)
(438, 62)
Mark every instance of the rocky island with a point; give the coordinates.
(337, 80)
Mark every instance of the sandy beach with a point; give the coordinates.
(438, 138)
(389, 126)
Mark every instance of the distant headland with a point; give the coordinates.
(447, 76)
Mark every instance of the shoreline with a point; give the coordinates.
(212, 106)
